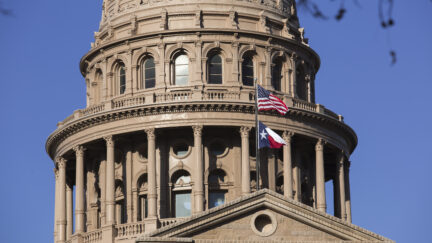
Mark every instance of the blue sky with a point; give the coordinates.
(388, 107)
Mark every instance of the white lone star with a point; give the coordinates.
(263, 134)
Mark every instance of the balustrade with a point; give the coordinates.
(188, 96)
(93, 237)
(132, 229)
(166, 222)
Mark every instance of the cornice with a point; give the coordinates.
(86, 122)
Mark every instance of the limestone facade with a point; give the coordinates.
(168, 131)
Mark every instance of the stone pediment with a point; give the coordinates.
(264, 216)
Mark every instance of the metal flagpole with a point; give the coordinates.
(257, 152)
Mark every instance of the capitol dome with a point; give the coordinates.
(168, 134)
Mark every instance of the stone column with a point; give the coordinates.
(129, 205)
(79, 192)
(110, 182)
(320, 179)
(102, 185)
(151, 170)
(287, 165)
(69, 211)
(296, 172)
(199, 169)
(341, 181)
(245, 165)
(61, 223)
(56, 202)
(347, 192)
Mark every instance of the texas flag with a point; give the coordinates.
(268, 138)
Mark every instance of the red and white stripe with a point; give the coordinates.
(272, 102)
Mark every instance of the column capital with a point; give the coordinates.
(197, 130)
(244, 131)
(56, 173)
(61, 162)
(79, 150)
(109, 140)
(320, 145)
(287, 135)
(150, 133)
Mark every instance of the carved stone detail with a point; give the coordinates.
(244, 131)
(197, 130)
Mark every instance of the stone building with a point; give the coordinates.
(164, 150)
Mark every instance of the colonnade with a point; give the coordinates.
(64, 198)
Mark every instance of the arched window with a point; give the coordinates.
(181, 194)
(149, 73)
(215, 69)
(181, 70)
(248, 71)
(121, 78)
(120, 210)
(301, 84)
(276, 78)
(217, 181)
(142, 197)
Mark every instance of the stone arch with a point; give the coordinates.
(214, 47)
(115, 60)
(228, 174)
(179, 167)
(143, 53)
(137, 177)
(172, 51)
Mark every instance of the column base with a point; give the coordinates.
(151, 224)
(108, 233)
(77, 238)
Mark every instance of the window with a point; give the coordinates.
(122, 78)
(181, 194)
(301, 85)
(248, 71)
(149, 73)
(181, 149)
(217, 148)
(120, 209)
(218, 187)
(215, 70)
(276, 75)
(142, 197)
(181, 70)
(216, 198)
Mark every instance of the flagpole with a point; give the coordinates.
(257, 152)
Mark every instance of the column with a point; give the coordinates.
(320, 179)
(347, 192)
(341, 180)
(151, 173)
(56, 202)
(79, 190)
(287, 165)
(297, 183)
(102, 184)
(69, 211)
(245, 165)
(110, 182)
(129, 205)
(61, 223)
(199, 169)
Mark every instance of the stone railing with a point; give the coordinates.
(166, 222)
(173, 96)
(93, 237)
(151, 98)
(126, 102)
(131, 229)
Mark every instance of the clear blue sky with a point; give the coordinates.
(388, 107)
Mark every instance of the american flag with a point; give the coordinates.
(267, 101)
